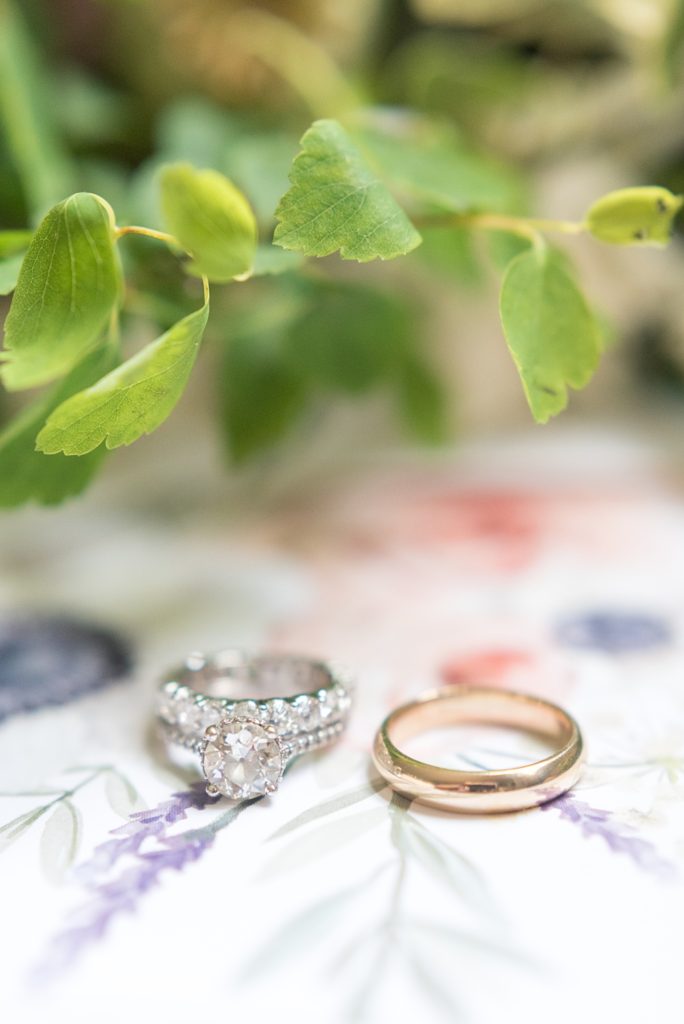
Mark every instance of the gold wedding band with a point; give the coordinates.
(485, 791)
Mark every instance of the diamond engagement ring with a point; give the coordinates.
(244, 717)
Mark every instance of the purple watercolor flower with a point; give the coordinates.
(619, 837)
(142, 825)
(47, 661)
(140, 869)
(614, 632)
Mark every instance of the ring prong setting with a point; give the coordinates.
(242, 757)
(244, 742)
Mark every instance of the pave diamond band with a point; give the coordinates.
(247, 716)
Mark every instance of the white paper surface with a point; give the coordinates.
(557, 570)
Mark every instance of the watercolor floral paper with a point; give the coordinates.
(127, 894)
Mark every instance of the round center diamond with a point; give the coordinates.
(242, 759)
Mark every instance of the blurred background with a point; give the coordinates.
(554, 102)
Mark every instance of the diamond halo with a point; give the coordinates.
(241, 758)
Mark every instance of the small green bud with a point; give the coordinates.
(634, 216)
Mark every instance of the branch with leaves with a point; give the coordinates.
(373, 189)
(61, 836)
(397, 936)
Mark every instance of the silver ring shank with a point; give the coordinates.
(300, 698)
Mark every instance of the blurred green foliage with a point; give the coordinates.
(432, 120)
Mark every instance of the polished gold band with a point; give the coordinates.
(480, 792)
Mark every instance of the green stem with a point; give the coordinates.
(398, 807)
(31, 792)
(161, 236)
(395, 902)
(388, 934)
(62, 794)
(230, 815)
(526, 227)
(79, 785)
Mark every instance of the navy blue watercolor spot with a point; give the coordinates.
(53, 660)
(614, 632)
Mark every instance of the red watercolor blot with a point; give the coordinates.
(486, 667)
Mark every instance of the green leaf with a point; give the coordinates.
(425, 162)
(13, 242)
(634, 216)
(133, 399)
(551, 332)
(449, 251)
(504, 246)
(67, 288)
(422, 401)
(200, 132)
(194, 129)
(211, 219)
(444, 863)
(91, 112)
(27, 474)
(27, 116)
(13, 246)
(350, 338)
(9, 272)
(122, 796)
(60, 841)
(15, 828)
(473, 78)
(673, 43)
(190, 130)
(262, 395)
(330, 336)
(337, 803)
(323, 841)
(337, 203)
(259, 162)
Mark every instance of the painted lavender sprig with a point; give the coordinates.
(618, 836)
(141, 826)
(141, 850)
